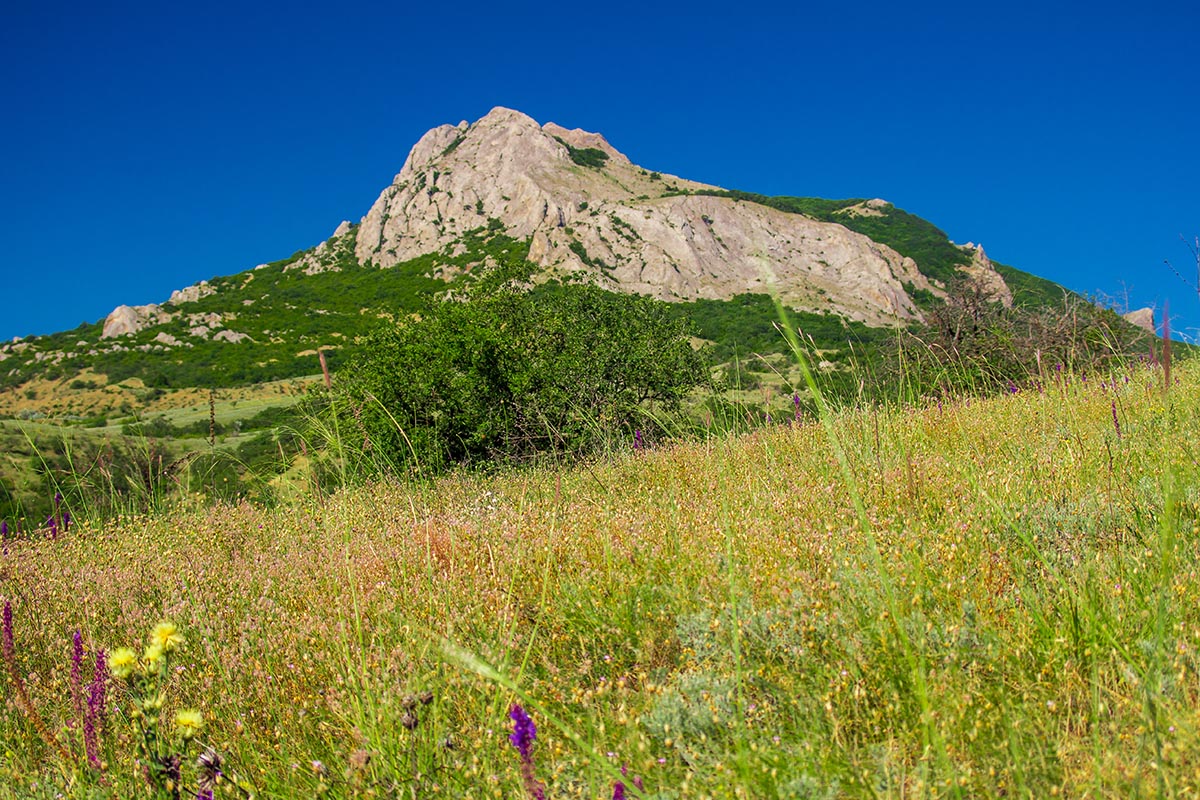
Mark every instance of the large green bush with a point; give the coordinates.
(505, 372)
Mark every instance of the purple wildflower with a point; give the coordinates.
(638, 444)
(1116, 419)
(618, 791)
(77, 674)
(4, 529)
(57, 499)
(66, 520)
(524, 732)
(208, 768)
(53, 523)
(1012, 388)
(95, 710)
(523, 735)
(10, 650)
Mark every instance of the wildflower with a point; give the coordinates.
(208, 770)
(524, 732)
(1116, 419)
(618, 791)
(122, 662)
(95, 710)
(153, 656)
(10, 651)
(638, 444)
(77, 674)
(796, 405)
(166, 636)
(189, 722)
(523, 735)
(1012, 388)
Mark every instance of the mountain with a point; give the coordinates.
(508, 188)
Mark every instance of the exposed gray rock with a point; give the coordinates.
(1143, 318)
(230, 336)
(638, 233)
(125, 320)
(983, 273)
(191, 294)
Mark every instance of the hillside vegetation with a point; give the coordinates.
(970, 598)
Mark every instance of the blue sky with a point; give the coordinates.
(148, 146)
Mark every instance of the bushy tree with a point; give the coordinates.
(507, 371)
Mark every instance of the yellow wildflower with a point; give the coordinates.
(121, 662)
(153, 654)
(166, 636)
(189, 722)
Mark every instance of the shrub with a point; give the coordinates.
(972, 343)
(505, 372)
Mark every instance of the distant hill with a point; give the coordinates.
(508, 189)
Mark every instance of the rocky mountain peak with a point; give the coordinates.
(588, 210)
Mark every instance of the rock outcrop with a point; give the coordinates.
(191, 293)
(1143, 318)
(623, 227)
(983, 273)
(125, 320)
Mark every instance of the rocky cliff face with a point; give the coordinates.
(587, 209)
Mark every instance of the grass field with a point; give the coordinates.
(983, 598)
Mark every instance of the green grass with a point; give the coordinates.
(1013, 613)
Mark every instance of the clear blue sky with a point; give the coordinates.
(148, 146)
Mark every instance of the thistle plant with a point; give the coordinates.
(161, 746)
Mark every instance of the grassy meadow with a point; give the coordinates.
(971, 598)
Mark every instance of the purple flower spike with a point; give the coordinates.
(638, 444)
(4, 529)
(524, 732)
(53, 523)
(95, 710)
(10, 650)
(77, 674)
(66, 520)
(1116, 420)
(1012, 388)
(618, 791)
(523, 735)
